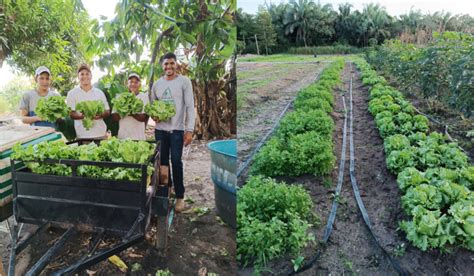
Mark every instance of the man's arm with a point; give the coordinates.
(115, 117)
(189, 106)
(190, 113)
(28, 119)
(103, 115)
(142, 117)
(76, 115)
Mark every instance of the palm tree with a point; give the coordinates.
(297, 19)
(376, 23)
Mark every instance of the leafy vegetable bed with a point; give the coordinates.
(303, 141)
(433, 174)
(112, 150)
(274, 218)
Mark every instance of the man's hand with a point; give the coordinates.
(156, 119)
(188, 138)
(37, 118)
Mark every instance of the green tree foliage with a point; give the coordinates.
(441, 70)
(204, 30)
(265, 30)
(49, 32)
(306, 23)
(11, 93)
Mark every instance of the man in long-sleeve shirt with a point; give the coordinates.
(176, 132)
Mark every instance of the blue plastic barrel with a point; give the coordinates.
(223, 174)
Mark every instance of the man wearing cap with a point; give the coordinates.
(30, 99)
(133, 126)
(176, 132)
(86, 92)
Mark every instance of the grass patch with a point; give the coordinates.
(293, 58)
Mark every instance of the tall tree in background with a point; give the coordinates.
(246, 29)
(277, 13)
(204, 32)
(265, 31)
(375, 27)
(297, 19)
(321, 24)
(49, 32)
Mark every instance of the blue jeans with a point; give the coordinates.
(172, 142)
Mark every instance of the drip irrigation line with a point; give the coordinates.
(355, 188)
(244, 165)
(335, 203)
(263, 140)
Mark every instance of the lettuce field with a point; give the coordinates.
(355, 177)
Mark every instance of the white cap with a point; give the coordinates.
(41, 70)
(131, 75)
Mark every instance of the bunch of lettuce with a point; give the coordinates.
(127, 104)
(161, 110)
(90, 109)
(112, 150)
(52, 108)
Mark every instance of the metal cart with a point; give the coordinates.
(85, 204)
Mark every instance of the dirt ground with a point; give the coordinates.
(198, 240)
(350, 250)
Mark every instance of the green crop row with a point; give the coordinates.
(433, 174)
(274, 218)
(303, 141)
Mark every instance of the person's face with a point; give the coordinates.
(85, 77)
(43, 81)
(169, 66)
(133, 85)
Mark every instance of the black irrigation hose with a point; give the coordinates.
(264, 139)
(355, 188)
(332, 215)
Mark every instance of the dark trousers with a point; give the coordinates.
(172, 142)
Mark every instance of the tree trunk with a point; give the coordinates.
(211, 109)
(231, 88)
(154, 55)
(256, 42)
(212, 106)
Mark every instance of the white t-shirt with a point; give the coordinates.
(129, 127)
(77, 95)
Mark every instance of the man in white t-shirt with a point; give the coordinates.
(86, 92)
(133, 126)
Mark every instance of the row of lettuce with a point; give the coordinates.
(433, 174)
(274, 218)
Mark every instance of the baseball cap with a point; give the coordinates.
(131, 75)
(82, 67)
(42, 69)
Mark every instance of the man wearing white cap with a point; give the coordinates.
(133, 126)
(30, 99)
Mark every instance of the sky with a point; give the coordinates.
(95, 9)
(392, 7)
